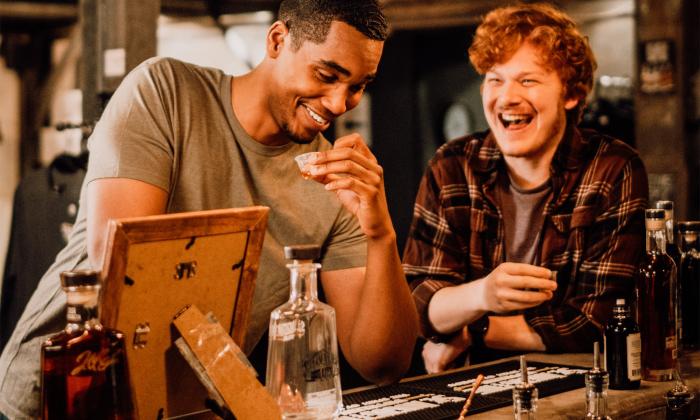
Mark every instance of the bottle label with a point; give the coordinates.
(320, 365)
(80, 313)
(89, 362)
(286, 331)
(634, 357)
(321, 400)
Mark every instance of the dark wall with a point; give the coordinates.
(421, 74)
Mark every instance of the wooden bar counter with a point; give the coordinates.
(645, 403)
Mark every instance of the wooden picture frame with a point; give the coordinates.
(156, 266)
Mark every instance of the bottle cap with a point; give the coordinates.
(655, 219)
(688, 226)
(302, 252)
(654, 214)
(664, 204)
(80, 278)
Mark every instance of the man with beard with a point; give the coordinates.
(176, 137)
(524, 235)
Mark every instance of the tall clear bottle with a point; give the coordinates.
(689, 287)
(302, 360)
(656, 302)
(623, 349)
(84, 370)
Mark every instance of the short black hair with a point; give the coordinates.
(310, 20)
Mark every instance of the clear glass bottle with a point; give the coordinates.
(689, 287)
(524, 396)
(84, 370)
(656, 302)
(623, 349)
(302, 360)
(596, 389)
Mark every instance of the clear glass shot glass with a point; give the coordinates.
(302, 160)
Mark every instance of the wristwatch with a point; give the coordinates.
(477, 331)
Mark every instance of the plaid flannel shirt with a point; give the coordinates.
(593, 232)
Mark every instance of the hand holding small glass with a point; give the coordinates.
(353, 173)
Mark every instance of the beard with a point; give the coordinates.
(554, 135)
(294, 137)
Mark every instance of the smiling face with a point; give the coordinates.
(525, 106)
(318, 82)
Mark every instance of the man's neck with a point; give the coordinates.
(251, 110)
(527, 174)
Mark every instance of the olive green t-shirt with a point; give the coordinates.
(171, 124)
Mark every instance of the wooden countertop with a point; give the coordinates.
(645, 403)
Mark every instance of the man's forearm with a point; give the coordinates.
(512, 333)
(451, 308)
(386, 325)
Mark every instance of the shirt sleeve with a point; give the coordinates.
(346, 246)
(434, 256)
(613, 244)
(133, 138)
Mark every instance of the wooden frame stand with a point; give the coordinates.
(154, 267)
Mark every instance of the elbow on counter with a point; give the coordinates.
(388, 368)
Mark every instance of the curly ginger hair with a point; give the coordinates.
(564, 49)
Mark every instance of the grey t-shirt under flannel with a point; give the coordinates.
(171, 124)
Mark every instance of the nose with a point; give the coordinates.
(509, 94)
(338, 101)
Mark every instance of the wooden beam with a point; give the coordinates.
(430, 14)
(39, 11)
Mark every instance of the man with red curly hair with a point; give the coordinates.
(524, 235)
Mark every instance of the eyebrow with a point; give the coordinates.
(342, 70)
(521, 74)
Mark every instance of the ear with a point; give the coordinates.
(570, 104)
(277, 35)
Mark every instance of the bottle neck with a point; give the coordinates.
(82, 309)
(669, 226)
(303, 280)
(656, 241)
(689, 241)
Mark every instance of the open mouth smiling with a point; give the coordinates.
(314, 116)
(515, 121)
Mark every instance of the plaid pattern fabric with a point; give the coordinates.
(593, 230)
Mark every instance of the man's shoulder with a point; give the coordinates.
(171, 69)
(608, 161)
(609, 148)
(464, 148)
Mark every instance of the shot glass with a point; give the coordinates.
(302, 160)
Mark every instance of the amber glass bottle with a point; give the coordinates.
(656, 305)
(671, 245)
(84, 371)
